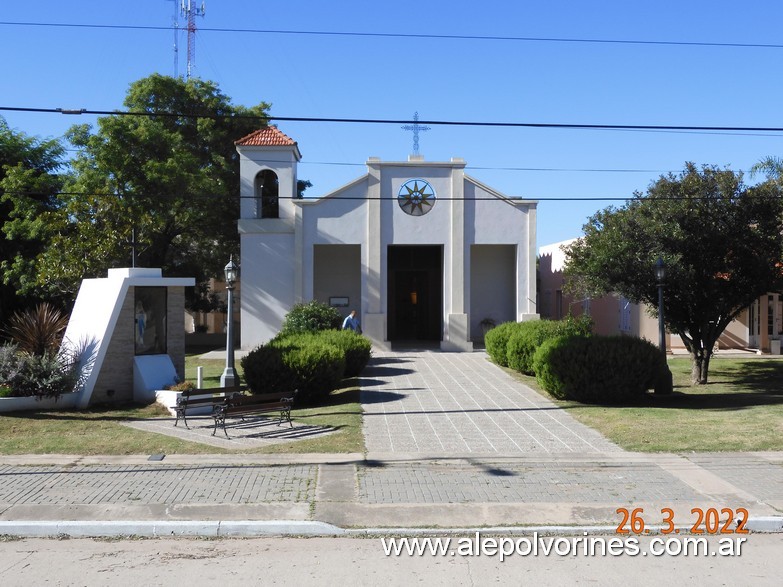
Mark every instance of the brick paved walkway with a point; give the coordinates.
(155, 484)
(460, 403)
(560, 482)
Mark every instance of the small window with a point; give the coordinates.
(625, 315)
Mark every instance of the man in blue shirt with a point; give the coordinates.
(351, 322)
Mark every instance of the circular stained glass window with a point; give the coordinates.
(416, 197)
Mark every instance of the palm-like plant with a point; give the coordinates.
(770, 166)
(38, 331)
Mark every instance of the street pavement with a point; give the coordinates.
(453, 443)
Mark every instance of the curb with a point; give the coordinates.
(159, 529)
(289, 528)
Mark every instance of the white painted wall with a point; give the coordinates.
(268, 269)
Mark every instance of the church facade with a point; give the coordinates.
(423, 252)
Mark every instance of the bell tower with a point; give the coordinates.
(267, 163)
(271, 267)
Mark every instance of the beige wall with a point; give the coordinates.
(115, 379)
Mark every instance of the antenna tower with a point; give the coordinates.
(175, 25)
(190, 13)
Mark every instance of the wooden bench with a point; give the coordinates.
(197, 398)
(251, 405)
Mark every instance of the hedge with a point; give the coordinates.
(527, 337)
(600, 369)
(357, 348)
(495, 342)
(301, 362)
(314, 363)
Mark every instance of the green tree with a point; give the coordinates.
(166, 179)
(29, 183)
(722, 243)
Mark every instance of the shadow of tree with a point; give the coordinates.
(380, 371)
(758, 377)
(119, 413)
(377, 397)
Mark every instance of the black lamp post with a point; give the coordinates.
(660, 275)
(229, 377)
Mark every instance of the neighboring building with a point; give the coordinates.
(419, 249)
(760, 327)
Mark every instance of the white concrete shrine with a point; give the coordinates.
(422, 251)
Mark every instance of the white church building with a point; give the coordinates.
(423, 252)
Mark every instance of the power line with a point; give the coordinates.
(481, 168)
(505, 199)
(488, 168)
(410, 35)
(313, 119)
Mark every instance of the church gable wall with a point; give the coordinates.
(339, 219)
(401, 228)
(495, 222)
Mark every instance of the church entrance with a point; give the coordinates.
(415, 296)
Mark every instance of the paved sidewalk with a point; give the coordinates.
(326, 494)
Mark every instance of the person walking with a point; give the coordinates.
(351, 322)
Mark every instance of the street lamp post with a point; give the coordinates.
(229, 377)
(660, 275)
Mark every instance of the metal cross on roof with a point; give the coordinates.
(416, 128)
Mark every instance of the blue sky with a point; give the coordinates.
(443, 79)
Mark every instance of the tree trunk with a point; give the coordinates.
(700, 366)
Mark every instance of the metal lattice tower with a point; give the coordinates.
(190, 13)
(175, 26)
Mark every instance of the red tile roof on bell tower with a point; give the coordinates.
(269, 136)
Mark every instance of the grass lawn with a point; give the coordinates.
(740, 409)
(99, 431)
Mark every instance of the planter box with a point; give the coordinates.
(168, 399)
(66, 401)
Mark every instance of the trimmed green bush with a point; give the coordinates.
(264, 370)
(357, 349)
(599, 369)
(496, 341)
(528, 336)
(317, 369)
(311, 317)
(301, 361)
